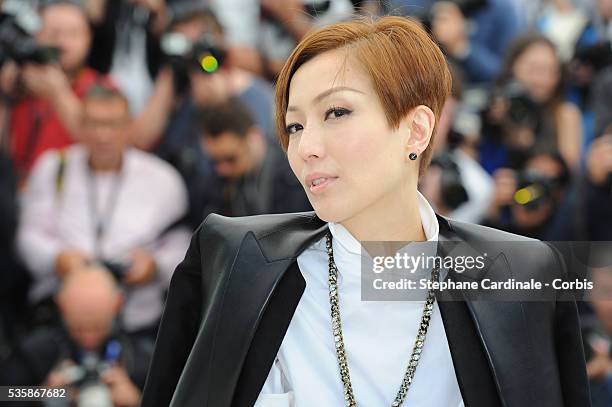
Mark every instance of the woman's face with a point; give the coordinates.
(338, 131)
(537, 69)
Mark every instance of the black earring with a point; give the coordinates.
(412, 156)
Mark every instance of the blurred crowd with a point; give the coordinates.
(123, 123)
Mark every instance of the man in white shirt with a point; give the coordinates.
(103, 202)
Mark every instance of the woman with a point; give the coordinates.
(533, 70)
(253, 312)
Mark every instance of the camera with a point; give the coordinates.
(204, 54)
(533, 189)
(522, 111)
(86, 376)
(452, 191)
(184, 56)
(92, 392)
(19, 46)
(117, 269)
(313, 8)
(465, 127)
(597, 56)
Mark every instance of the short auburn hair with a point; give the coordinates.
(406, 66)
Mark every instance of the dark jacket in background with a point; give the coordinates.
(8, 207)
(601, 100)
(271, 188)
(39, 353)
(599, 213)
(105, 40)
(14, 280)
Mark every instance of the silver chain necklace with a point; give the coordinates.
(334, 301)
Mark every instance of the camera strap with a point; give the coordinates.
(39, 113)
(59, 177)
(102, 221)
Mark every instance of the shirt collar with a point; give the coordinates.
(428, 218)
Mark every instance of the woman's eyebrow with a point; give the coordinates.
(326, 93)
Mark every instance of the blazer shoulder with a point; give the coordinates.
(475, 233)
(526, 255)
(233, 229)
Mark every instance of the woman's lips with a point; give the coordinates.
(327, 183)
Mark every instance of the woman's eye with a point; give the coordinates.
(337, 112)
(293, 128)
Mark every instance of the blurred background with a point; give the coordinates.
(123, 123)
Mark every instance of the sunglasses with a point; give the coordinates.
(228, 159)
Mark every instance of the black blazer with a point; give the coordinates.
(232, 298)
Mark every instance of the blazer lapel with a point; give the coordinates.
(268, 336)
(474, 375)
(262, 292)
(501, 328)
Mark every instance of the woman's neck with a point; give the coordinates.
(395, 218)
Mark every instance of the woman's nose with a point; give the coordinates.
(311, 145)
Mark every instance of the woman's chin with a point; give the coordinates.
(328, 214)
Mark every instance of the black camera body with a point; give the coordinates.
(533, 189)
(118, 270)
(178, 50)
(523, 111)
(597, 56)
(204, 55)
(17, 45)
(452, 191)
(86, 377)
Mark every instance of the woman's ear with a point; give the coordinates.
(421, 127)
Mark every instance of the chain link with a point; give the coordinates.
(334, 301)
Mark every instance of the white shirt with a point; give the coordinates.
(129, 66)
(479, 186)
(150, 196)
(244, 26)
(378, 335)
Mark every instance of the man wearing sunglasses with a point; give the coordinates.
(249, 175)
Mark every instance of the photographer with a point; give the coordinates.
(592, 48)
(457, 185)
(535, 201)
(528, 109)
(125, 43)
(455, 182)
(86, 354)
(589, 70)
(47, 111)
(262, 33)
(250, 173)
(167, 123)
(475, 33)
(598, 184)
(102, 201)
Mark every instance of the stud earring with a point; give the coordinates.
(413, 156)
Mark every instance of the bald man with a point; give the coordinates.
(89, 301)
